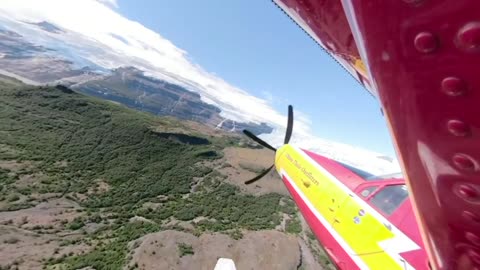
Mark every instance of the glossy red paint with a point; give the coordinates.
(336, 253)
(403, 218)
(326, 19)
(350, 179)
(423, 59)
(408, 224)
(420, 114)
(326, 23)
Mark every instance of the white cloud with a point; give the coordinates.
(155, 54)
(110, 40)
(268, 96)
(112, 3)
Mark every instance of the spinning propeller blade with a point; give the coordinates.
(259, 176)
(258, 140)
(288, 135)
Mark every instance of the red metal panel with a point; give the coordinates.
(408, 224)
(403, 219)
(351, 180)
(326, 23)
(423, 59)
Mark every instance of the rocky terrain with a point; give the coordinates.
(91, 184)
(133, 88)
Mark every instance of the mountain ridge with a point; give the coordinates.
(81, 55)
(122, 84)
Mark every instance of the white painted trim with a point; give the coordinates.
(400, 243)
(361, 264)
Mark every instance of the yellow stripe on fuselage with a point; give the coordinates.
(366, 235)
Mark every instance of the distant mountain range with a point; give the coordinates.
(126, 85)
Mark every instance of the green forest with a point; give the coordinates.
(75, 141)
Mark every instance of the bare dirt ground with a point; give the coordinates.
(244, 163)
(24, 249)
(30, 237)
(256, 250)
(15, 166)
(51, 213)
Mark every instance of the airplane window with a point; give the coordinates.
(357, 171)
(390, 198)
(397, 175)
(371, 177)
(368, 190)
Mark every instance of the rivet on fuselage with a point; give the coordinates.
(425, 42)
(468, 37)
(464, 162)
(453, 86)
(413, 1)
(458, 128)
(471, 217)
(474, 239)
(474, 256)
(467, 192)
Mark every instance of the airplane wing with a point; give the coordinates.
(327, 29)
(420, 58)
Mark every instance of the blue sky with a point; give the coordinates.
(253, 45)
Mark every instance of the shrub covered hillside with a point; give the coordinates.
(109, 161)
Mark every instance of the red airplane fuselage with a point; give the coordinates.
(361, 223)
(420, 58)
